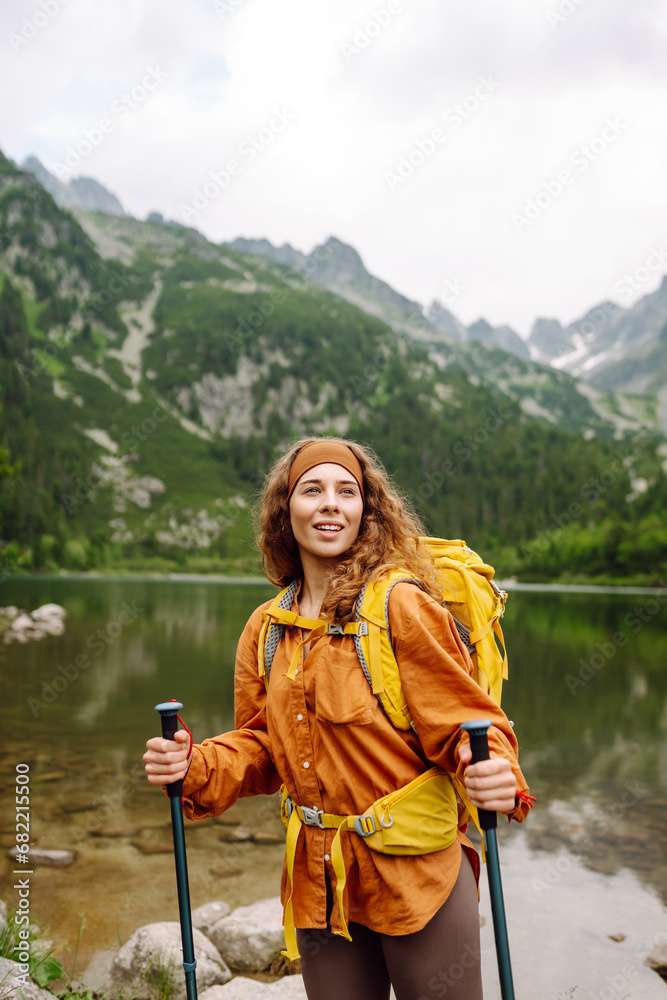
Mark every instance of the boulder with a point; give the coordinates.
(48, 612)
(657, 957)
(158, 947)
(242, 988)
(16, 986)
(205, 916)
(21, 622)
(236, 835)
(251, 937)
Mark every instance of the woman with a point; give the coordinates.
(330, 518)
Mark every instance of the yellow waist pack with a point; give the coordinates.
(419, 818)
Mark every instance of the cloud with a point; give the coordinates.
(290, 120)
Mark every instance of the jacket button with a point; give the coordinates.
(299, 717)
(306, 763)
(327, 857)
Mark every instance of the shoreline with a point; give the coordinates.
(581, 587)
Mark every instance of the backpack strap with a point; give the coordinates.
(272, 629)
(278, 615)
(375, 651)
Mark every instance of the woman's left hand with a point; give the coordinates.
(491, 784)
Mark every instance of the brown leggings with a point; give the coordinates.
(440, 960)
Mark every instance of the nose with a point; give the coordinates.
(329, 500)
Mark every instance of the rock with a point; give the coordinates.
(153, 846)
(50, 627)
(15, 986)
(79, 807)
(21, 622)
(97, 975)
(42, 947)
(226, 872)
(114, 831)
(242, 988)
(50, 776)
(236, 835)
(44, 856)
(251, 937)
(43, 621)
(261, 837)
(657, 958)
(205, 916)
(158, 946)
(48, 612)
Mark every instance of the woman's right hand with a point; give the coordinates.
(167, 760)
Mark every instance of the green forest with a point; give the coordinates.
(104, 469)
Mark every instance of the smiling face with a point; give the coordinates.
(326, 494)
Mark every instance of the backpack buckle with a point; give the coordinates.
(335, 629)
(365, 825)
(312, 816)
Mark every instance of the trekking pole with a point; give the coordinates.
(488, 819)
(168, 711)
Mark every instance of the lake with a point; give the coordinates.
(587, 691)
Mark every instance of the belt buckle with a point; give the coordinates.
(366, 825)
(312, 816)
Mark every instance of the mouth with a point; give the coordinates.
(328, 528)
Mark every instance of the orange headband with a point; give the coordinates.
(324, 451)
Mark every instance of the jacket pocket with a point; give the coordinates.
(342, 693)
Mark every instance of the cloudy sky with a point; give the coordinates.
(508, 158)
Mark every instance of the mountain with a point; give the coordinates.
(548, 340)
(444, 320)
(337, 266)
(80, 192)
(612, 347)
(503, 337)
(149, 377)
(551, 395)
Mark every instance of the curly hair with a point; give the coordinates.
(388, 534)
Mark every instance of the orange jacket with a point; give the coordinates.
(325, 736)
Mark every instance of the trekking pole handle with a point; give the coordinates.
(479, 745)
(168, 711)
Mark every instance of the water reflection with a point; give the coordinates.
(587, 691)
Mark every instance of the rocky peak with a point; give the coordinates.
(548, 339)
(444, 320)
(80, 192)
(502, 336)
(335, 259)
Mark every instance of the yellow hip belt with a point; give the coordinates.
(419, 818)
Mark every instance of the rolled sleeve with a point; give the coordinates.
(439, 688)
(237, 763)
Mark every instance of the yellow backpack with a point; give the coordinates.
(476, 603)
